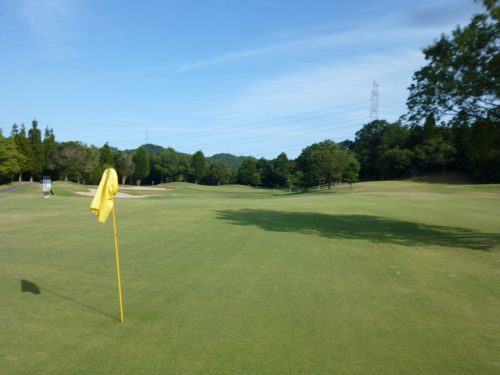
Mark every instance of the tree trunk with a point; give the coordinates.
(31, 178)
(329, 185)
(65, 177)
(124, 179)
(20, 177)
(138, 182)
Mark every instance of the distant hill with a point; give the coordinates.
(232, 160)
(152, 149)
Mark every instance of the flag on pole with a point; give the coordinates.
(103, 202)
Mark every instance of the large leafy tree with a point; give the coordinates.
(394, 163)
(124, 165)
(141, 160)
(351, 172)
(266, 171)
(460, 80)
(72, 160)
(106, 156)
(198, 166)
(185, 168)
(219, 173)
(248, 174)
(281, 170)
(165, 164)
(11, 159)
(23, 146)
(323, 162)
(484, 152)
(373, 141)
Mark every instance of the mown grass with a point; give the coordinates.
(389, 278)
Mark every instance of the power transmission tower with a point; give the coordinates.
(374, 107)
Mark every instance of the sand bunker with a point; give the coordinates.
(92, 192)
(141, 188)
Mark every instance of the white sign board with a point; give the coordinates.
(46, 185)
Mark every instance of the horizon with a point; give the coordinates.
(245, 79)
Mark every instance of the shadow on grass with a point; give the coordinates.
(362, 227)
(30, 287)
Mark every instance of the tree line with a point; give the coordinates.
(26, 155)
(452, 124)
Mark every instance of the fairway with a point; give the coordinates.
(389, 278)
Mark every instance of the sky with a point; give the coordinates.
(247, 77)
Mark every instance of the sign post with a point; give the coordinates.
(46, 186)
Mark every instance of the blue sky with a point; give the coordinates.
(246, 77)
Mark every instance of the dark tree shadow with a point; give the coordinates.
(28, 286)
(363, 227)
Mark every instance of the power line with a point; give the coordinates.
(255, 125)
(296, 134)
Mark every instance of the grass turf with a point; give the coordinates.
(391, 278)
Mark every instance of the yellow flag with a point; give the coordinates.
(103, 202)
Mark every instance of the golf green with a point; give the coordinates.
(389, 278)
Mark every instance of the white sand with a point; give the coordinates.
(92, 192)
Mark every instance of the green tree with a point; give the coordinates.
(49, 149)
(141, 160)
(165, 164)
(434, 150)
(105, 157)
(394, 163)
(294, 179)
(374, 140)
(92, 169)
(323, 162)
(36, 145)
(170, 162)
(185, 169)
(351, 172)
(71, 159)
(124, 165)
(281, 170)
(11, 159)
(248, 173)
(265, 169)
(23, 146)
(219, 173)
(198, 166)
(460, 79)
(367, 145)
(484, 152)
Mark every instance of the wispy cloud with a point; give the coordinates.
(424, 21)
(47, 18)
(355, 37)
(302, 44)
